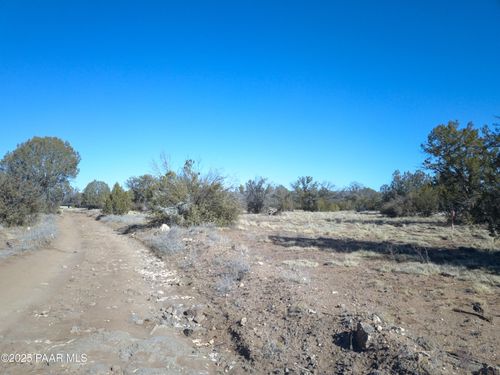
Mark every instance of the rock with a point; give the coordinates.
(363, 336)
(164, 228)
(476, 306)
(297, 310)
(271, 211)
(486, 370)
(189, 314)
(188, 332)
(199, 318)
(243, 321)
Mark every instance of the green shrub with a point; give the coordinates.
(188, 198)
(282, 199)
(118, 202)
(19, 201)
(410, 194)
(95, 194)
(393, 208)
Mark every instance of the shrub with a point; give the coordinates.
(256, 191)
(282, 199)
(409, 194)
(19, 201)
(393, 208)
(95, 194)
(167, 243)
(188, 198)
(118, 202)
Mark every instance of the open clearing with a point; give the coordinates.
(273, 294)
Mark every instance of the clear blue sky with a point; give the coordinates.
(340, 90)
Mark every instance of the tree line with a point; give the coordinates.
(459, 177)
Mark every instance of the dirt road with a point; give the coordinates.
(86, 305)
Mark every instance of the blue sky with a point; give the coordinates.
(339, 90)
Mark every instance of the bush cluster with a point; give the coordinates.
(118, 202)
(409, 194)
(189, 198)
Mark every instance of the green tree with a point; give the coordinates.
(457, 157)
(256, 192)
(19, 200)
(46, 164)
(117, 202)
(94, 195)
(142, 189)
(488, 208)
(306, 193)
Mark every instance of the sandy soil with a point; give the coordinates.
(89, 296)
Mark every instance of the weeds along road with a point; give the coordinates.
(82, 306)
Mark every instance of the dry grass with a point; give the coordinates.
(130, 219)
(371, 226)
(383, 236)
(21, 239)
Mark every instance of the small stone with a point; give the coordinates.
(243, 321)
(164, 228)
(363, 336)
(187, 332)
(199, 318)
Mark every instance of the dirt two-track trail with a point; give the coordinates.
(82, 306)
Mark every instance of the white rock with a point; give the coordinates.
(164, 228)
